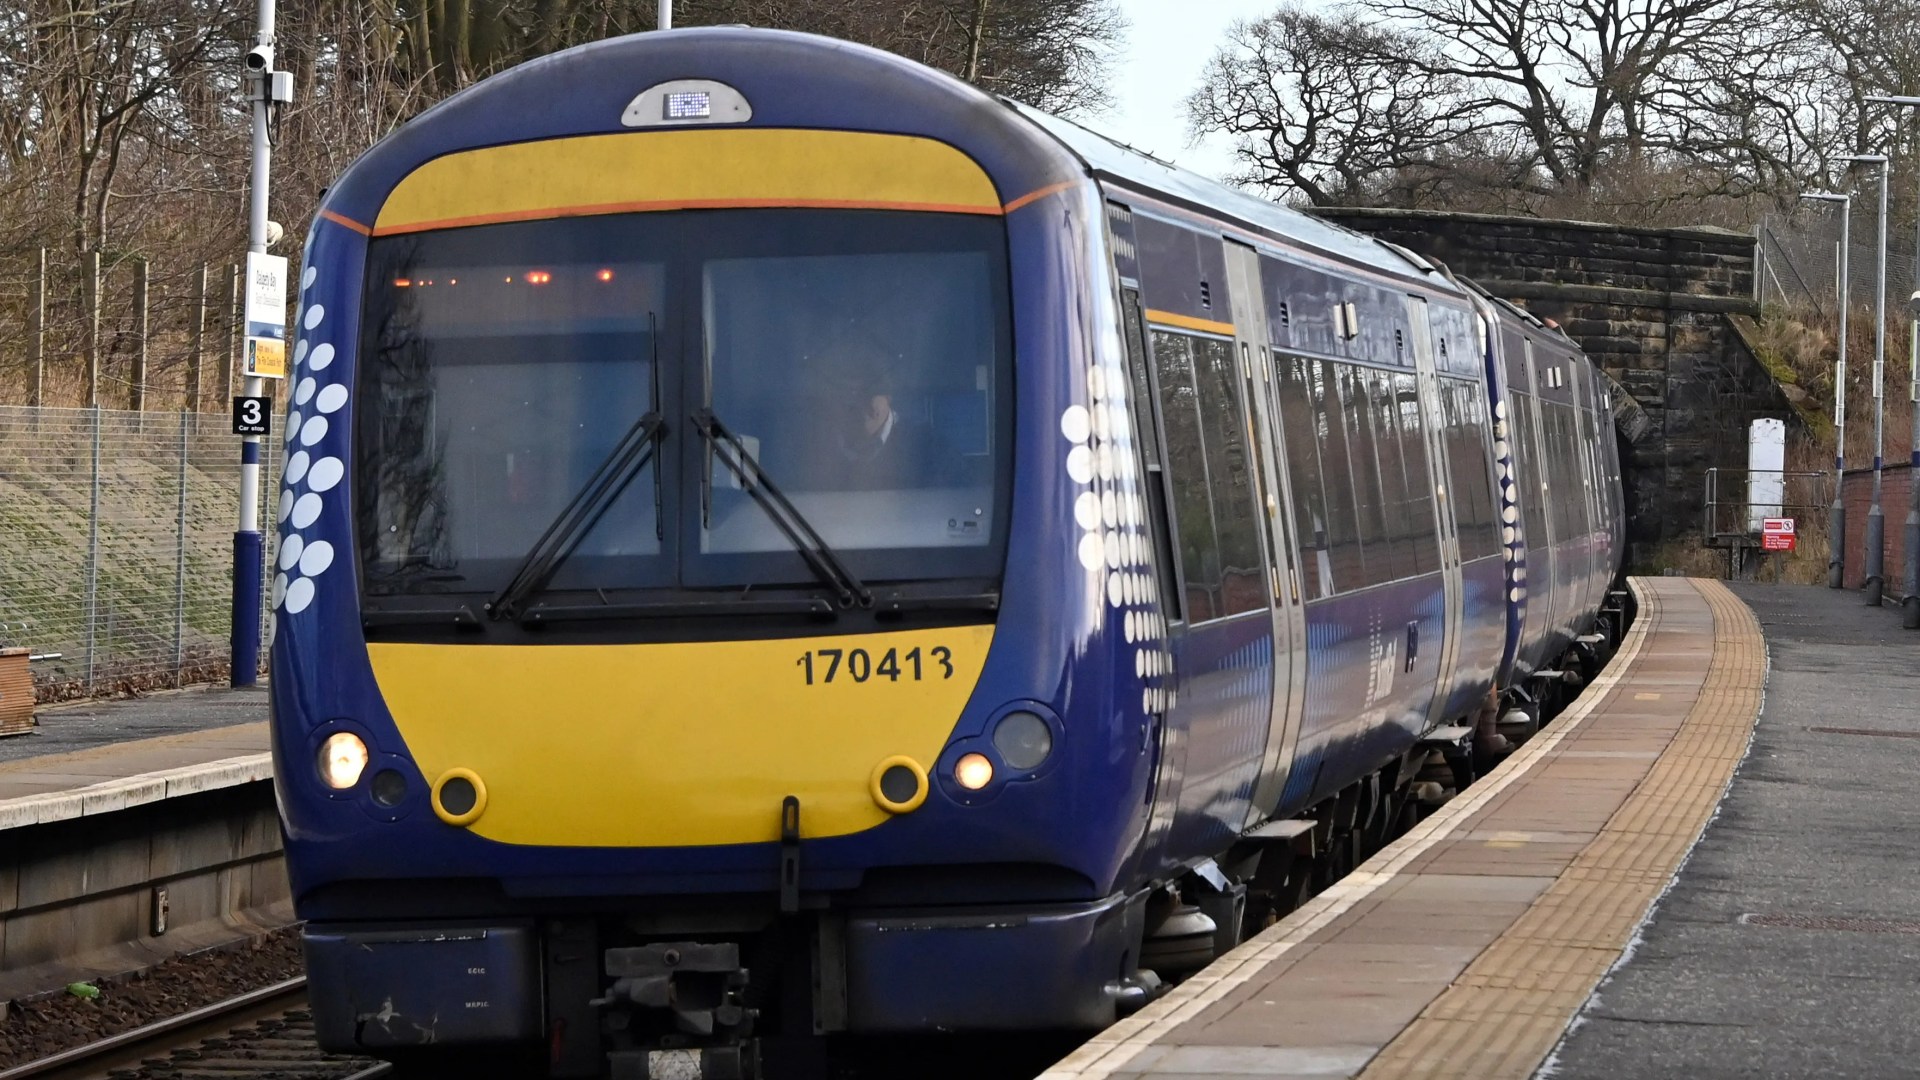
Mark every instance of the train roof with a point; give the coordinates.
(1105, 158)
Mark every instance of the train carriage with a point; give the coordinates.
(776, 542)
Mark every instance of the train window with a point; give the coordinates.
(1528, 451)
(1147, 426)
(1299, 425)
(1174, 362)
(1226, 574)
(1393, 475)
(1469, 457)
(482, 412)
(1422, 528)
(1230, 469)
(1376, 549)
(1346, 569)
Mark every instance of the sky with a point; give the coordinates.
(1166, 49)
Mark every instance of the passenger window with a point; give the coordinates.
(1299, 425)
(1468, 459)
(1154, 480)
(1345, 569)
(1230, 474)
(1376, 549)
(1173, 363)
(1393, 476)
(1422, 528)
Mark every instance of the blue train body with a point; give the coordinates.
(1274, 511)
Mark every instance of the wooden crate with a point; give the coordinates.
(16, 693)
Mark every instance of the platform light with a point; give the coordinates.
(605, 275)
(343, 757)
(973, 771)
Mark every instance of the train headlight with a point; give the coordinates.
(1023, 739)
(343, 757)
(973, 771)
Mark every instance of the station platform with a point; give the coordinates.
(102, 756)
(1468, 946)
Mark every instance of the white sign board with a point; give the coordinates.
(266, 296)
(266, 313)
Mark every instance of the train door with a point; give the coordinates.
(1289, 619)
(1446, 521)
(1543, 554)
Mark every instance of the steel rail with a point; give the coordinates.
(195, 1024)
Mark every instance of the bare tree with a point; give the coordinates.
(1615, 108)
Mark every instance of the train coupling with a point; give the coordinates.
(677, 1011)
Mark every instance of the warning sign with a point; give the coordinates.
(1776, 534)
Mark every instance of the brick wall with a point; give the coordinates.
(1655, 308)
(1856, 494)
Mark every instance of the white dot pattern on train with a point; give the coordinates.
(307, 470)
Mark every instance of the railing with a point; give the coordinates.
(116, 534)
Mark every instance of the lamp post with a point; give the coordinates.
(666, 15)
(1910, 598)
(1876, 518)
(1837, 513)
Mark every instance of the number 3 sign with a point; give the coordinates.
(250, 415)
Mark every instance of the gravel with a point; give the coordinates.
(37, 1028)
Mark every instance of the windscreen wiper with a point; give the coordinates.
(629, 456)
(806, 540)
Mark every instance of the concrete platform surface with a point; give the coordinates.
(1465, 947)
(1789, 944)
(116, 776)
(103, 721)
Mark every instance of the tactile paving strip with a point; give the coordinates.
(1512, 1004)
(1504, 825)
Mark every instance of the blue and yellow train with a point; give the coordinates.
(777, 542)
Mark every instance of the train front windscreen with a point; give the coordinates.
(679, 390)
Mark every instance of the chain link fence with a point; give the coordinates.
(1799, 260)
(116, 546)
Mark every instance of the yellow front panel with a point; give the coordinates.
(674, 170)
(677, 744)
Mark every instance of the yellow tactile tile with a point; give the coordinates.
(1589, 820)
(1503, 1015)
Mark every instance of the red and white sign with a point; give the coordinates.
(1776, 534)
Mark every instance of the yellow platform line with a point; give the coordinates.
(1113, 1049)
(1511, 1006)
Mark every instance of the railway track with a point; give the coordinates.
(262, 1035)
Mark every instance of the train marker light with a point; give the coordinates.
(973, 772)
(459, 796)
(343, 757)
(1023, 739)
(898, 785)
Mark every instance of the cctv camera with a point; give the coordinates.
(260, 58)
(274, 233)
(1913, 304)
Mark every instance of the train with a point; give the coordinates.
(777, 544)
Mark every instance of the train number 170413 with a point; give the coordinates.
(860, 665)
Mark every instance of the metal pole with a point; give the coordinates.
(1837, 513)
(196, 355)
(666, 15)
(1876, 517)
(180, 560)
(230, 354)
(247, 542)
(93, 548)
(37, 335)
(138, 392)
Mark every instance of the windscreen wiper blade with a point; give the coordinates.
(629, 456)
(806, 540)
